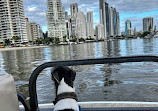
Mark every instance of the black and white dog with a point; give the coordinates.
(66, 99)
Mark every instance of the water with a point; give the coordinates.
(110, 82)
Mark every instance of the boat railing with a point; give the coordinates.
(32, 82)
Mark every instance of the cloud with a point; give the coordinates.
(32, 9)
(134, 6)
(134, 10)
(42, 14)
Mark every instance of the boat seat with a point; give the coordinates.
(9, 96)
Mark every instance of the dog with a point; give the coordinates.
(66, 99)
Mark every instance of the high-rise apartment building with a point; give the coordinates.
(99, 32)
(73, 8)
(81, 25)
(36, 31)
(28, 30)
(103, 17)
(12, 20)
(56, 19)
(130, 32)
(128, 25)
(90, 30)
(72, 27)
(148, 24)
(110, 19)
(118, 24)
(72, 21)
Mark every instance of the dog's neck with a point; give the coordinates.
(65, 103)
(63, 88)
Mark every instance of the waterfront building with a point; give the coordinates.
(118, 24)
(66, 15)
(28, 30)
(81, 25)
(90, 30)
(94, 30)
(130, 32)
(72, 27)
(155, 28)
(36, 31)
(12, 20)
(128, 25)
(99, 32)
(123, 33)
(148, 24)
(73, 9)
(103, 12)
(72, 21)
(56, 19)
(110, 19)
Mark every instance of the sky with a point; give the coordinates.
(134, 10)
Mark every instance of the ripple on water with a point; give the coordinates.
(109, 82)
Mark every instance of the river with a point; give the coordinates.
(110, 82)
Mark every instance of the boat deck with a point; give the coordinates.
(109, 106)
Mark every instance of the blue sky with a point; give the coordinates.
(135, 10)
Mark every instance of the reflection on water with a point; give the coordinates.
(109, 82)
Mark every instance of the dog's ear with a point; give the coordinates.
(55, 76)
(73, 75)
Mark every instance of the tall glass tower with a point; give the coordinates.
(128, 25)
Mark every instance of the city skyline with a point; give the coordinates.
(135, 11)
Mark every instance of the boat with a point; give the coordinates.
(31, 103)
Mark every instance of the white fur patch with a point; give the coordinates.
(63, 87)
(65, 103)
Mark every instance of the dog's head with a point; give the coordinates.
(60, 72)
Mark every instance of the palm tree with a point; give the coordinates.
(16, 38)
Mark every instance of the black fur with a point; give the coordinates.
(60, 72)
(67, 110)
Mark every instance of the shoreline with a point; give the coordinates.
(20, 48)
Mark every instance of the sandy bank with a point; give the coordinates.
(20, 48)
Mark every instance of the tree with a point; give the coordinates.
(48, 40)
(81, 40)
(57, 40)
(145, 34)
(7, 42)
(16, 38)
(150, 28)
(64, 38)
(39, 40)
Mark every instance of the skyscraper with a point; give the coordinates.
(12, 20)
(34, 30)
(81, 25)
(118, 24)
(28, 29)
(148, 24)
(128, 26)
(90, 30)
(103, 11)
(99, 32)
(110, 20)
(56, 19)
(72, 21)
(73, 8)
